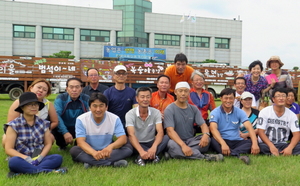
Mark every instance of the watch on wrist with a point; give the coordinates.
(207, 133)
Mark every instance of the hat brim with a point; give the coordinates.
(19, 108)
(269, 61)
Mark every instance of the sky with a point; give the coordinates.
(270, 27)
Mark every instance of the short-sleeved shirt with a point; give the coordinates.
(256, 89)
(98, 135)
(182, 120)
(144, 130)
(277, 129)
(253, 120)
(29, 137)
(295, 108)
(284, 80)
(89, 90)
(238, 103)
(120, 101)
(175, 77)
(228, 123)
(161, 103)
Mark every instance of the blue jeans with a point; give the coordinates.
(48, 164)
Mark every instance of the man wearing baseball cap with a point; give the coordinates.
(120, 97)
(179, 123)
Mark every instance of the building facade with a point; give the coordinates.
(33, 29)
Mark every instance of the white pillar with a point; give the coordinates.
(38, 41)
(113, 37)
(151, 40)
(182, 44)
(212, 48)
(77, 43)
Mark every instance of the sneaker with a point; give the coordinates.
(245, 159)
(214, 157)
(86, 165)
(156, 160)
(13, 174)
(62, 170)
(140, 162)
(167, 155)
(120, 163)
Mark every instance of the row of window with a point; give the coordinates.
(23, 31)
(191, 41)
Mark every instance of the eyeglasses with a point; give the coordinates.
(119, 73)
(76, 87)
(33, 104)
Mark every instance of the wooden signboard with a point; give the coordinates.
(30, 68)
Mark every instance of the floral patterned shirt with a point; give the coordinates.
(255, 89)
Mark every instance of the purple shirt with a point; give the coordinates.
(295, 108)
(255, 89)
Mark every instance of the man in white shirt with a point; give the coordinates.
(275, 123)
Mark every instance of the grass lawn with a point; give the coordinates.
(263, 170)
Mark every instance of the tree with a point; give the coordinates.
(209, 61)
(295, 68)
(63, 54)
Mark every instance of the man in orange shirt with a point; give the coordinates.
(161, 98)
(179, 71)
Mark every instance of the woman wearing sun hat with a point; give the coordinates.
(28, 140)
(42, 89)
(277, 78)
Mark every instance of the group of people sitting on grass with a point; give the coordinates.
(107, 125)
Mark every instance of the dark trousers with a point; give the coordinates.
(59, 138)
(48, 164)
(78, 155)
(237, 147)
(264, 148)
(160, 148)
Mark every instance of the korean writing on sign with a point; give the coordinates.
(152, 70)
(55, 68)
(212, 73)
(8, 67)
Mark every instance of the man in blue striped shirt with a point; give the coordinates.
(95, 131)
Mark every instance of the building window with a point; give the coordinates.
(222, 43)
(162, 39)
(58, 33)
(94, 35)
(23, 31)
(196, 41)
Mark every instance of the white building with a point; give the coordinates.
(33, 29)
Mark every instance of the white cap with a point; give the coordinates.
(182, 84)
(246, 95)
(120, 67)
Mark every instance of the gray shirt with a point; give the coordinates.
(182, 120)
(144, 130)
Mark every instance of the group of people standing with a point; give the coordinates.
(108, 124)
